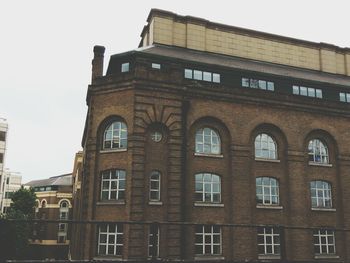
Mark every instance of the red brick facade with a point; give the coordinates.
(148, 99)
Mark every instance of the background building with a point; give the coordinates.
(3, 136)
(11, 183)
(241, 134)
(51, 240)
(76, 231)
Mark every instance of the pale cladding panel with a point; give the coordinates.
(328, 61)
(340, 60)
(248, 44)
(163, 31)
(196, 37)
(151, 32)
(347, 64)
(179, 38)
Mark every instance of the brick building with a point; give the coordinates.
(242, 134)
(54, 202)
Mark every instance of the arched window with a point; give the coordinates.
(64, 204)
(265, 147)
(318, 151)
(208, 188)
(207, 141)
(43, 203)
(267, 192)
(37, 205)
(154, 186)
(115, 136)
(321, 194)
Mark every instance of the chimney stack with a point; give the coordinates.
(97, 62)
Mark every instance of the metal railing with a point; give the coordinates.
(38, 228)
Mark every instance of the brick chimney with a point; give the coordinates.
(97, 62)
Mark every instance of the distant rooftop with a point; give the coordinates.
(60, 180)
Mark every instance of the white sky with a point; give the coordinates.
(46, 51)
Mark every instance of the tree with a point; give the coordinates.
(15, 234)
(24, 201)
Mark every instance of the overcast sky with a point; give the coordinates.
(46, 51)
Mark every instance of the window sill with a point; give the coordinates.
(108, 258)
(320, 164)
(269, 256)
(323, 209)
(112, 202)
(276, 207)
(155, 203)
(267, 160)
(209, 155)
(209, 257)
(329, 256)
(114, 150)
(209, 204)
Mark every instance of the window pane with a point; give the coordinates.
(207, 76)
(125, 67)
(270, 86)
(303, 91)
(296, 90)
(342, 97)
(245, 82)
(216, 249)
(254, 83)
(348, 97)
(188, 73)
(262, 84)
(216, 78)
(311, 92)
(318, 93)
(197, 75)
(155, 65)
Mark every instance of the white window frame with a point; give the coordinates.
(328, 246)
(321, 195)
(307, 91)
(344, 97)
(201, 233)
(318, 152)
(156, 65)
(150, 244)
(265, 143)
(200, 142)
(111, 230)
(258, 84)
(156, 189)
(202, 75)
(272, 234)
(266, 196)
(111, 176)
(117, 133)
(202, 183)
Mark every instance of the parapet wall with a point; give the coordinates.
(195, 33)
